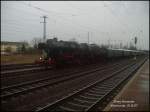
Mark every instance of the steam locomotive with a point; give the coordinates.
(68, 52)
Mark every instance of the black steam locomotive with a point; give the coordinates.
(67, 52)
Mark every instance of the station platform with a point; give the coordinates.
(135, 94)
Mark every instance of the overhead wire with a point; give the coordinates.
(18, 30)
(63, 19)
(87, 14)
(48, 12)
(84, 27)
(21, 26)
(59, 13)
(45, 11)
(126, 27)
(115, 16)
(87, 28)
(78, 9)
(17, 22)
(84, 14)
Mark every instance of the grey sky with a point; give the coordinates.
(117, 21)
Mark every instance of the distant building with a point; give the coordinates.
(11, 47)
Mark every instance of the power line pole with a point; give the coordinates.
(109, 46)
(44, 28)
(88, 37)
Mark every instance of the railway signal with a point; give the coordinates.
(135, 41)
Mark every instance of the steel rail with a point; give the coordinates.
(25, 90)
(121, 82)
(5, 75)
(36, 81)
(17, 66)
(58, 103)
(56, 76)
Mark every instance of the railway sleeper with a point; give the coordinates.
(74, 106)
(83, 101)
(5, 92)
(102, 87)
(28, 87)
(79, 105)
(95, 92)
(20, 89)
(13, 90)
(88, 98)
(99, 90)
(62, 108)
(108, 84)
(93, 95)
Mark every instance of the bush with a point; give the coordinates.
(8, 49)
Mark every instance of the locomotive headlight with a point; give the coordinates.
(49, 59)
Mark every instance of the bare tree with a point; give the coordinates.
(73, 40)
(132, 47)
(35, 42)
(23, 48)
(8, 49)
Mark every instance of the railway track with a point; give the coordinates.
(90, 97)
(49, 77)
(22, 70)
(12, 91)
(11, 74)
(13, 79)
(36, 90)
(27, 72)
(8, 80)
(19, 89)
(17, 66)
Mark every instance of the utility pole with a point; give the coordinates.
(135, 42)
(109, 44)
(88, 37)
(44, 28)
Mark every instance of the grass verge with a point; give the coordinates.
(19, 58)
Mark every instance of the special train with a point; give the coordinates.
(67, 52)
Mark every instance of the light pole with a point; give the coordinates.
(44, 28)
(135, 41)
